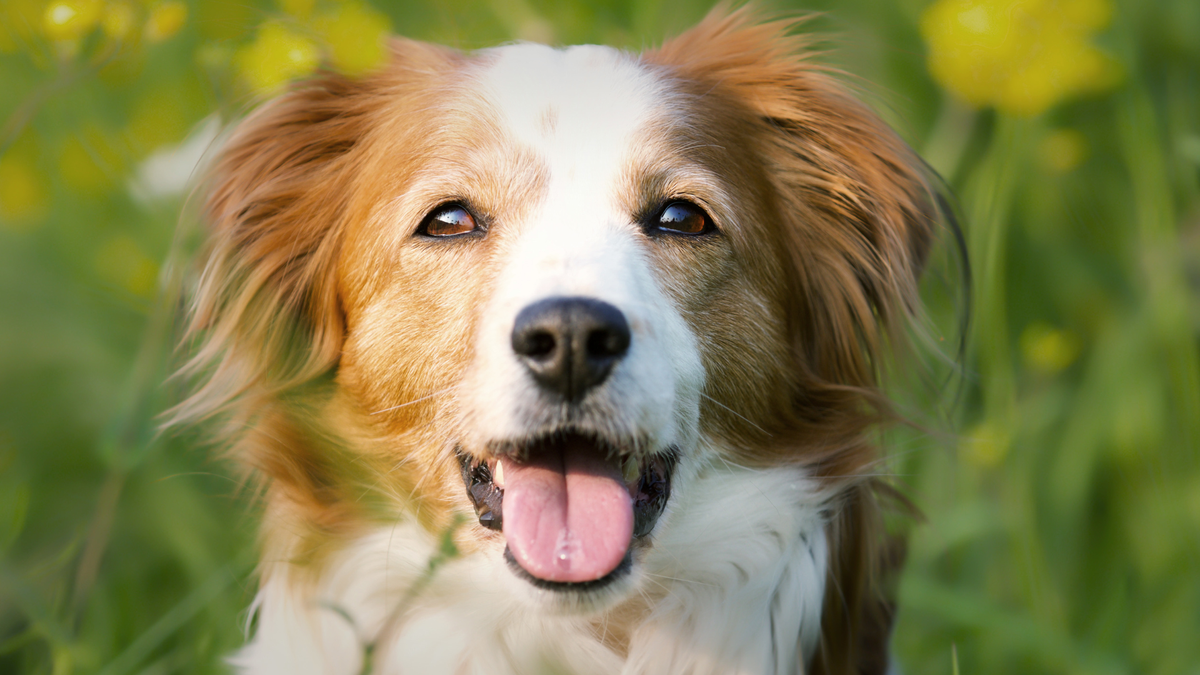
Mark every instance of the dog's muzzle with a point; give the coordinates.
(570, 501)
(569, 344)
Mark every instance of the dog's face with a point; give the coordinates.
(553, 286)
(574, 249)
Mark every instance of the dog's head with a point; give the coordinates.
(544, 287)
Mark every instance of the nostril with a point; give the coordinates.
(607, 342)
(537, 345)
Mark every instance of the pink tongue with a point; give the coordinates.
(567, 516)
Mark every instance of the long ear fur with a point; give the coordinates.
(857, 213)
(266, 311)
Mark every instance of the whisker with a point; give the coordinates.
(678, 580)
(735, 466)
(736, 413)
(418, 400)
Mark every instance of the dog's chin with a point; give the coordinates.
(645, 475)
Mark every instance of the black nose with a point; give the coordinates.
(570, 345)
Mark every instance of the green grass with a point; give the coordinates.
(1062, 530)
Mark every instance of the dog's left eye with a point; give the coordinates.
(448, 221)
(683, 218)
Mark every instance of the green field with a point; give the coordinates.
(1059, 469)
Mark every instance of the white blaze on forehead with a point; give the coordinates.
(580, 107)
(581, 111)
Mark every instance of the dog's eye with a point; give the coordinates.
(683, 218)
(448, 221)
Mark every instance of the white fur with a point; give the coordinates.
(743, 555)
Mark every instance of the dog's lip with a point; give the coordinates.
(649, 487)
(622, 570)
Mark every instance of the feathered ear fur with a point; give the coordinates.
(266, 309)
(856, 212)
(266, 304)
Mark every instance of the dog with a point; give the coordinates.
(564, 360)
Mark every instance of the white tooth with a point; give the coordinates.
(498, 474)
(631, 469)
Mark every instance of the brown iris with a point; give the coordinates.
(683, 218)
(448, 221)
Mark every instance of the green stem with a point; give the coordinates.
(949, 138)
(989, 199)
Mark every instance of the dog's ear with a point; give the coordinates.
(857, 207)
(266, 311)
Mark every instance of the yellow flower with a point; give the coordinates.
(277, 55)
(301, 9)
(1062, 150)
(356, 35)
(224, 21)
(118, 20)
(66, 20)
(19, 21)
(24, 194)
(165, 20)
(1021, 56)
(1048, 349)
(986, 445)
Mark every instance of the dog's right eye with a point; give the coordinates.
(680, 217)
(449, 220)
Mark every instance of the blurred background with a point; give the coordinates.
(1058, 476)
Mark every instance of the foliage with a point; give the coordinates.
(1063, 510)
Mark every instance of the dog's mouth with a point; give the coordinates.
(570, 505)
